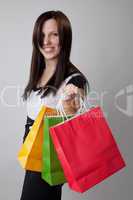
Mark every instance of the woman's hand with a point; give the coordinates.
(71, 102)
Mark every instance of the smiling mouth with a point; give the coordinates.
(48, 49)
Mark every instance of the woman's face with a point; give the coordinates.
(50, 45)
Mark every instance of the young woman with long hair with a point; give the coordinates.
(50, 69)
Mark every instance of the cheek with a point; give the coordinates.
(55, 41)
(57, 46)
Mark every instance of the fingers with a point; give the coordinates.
(70, 107)
(70, 89)
(71, 104)
(71, 98)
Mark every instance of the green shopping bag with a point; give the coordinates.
(52, 171)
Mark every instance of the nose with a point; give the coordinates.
(46, 40)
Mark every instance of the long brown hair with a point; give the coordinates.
(64, 67)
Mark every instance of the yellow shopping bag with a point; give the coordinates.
(30, 153)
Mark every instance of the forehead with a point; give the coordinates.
(50, 25)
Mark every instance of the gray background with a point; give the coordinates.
(102, 49)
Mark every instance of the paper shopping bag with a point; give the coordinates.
(87, 149)
(30, 153)
(52, 171)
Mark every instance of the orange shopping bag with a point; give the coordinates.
(30, 153)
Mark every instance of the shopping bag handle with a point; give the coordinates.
(61, 111)
(86, 89)
(84, 104)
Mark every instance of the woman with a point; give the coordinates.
(51, 75)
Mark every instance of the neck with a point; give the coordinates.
(50, 64)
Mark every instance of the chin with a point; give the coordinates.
(51, 57)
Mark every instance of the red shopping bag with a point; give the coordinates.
(87, 149)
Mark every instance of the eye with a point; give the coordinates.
(56, 34)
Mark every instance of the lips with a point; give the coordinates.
(48, 49)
